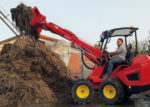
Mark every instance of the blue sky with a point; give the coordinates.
(88, 18)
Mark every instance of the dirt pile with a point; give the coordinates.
(32, 73)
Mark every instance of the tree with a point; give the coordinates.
(143, 46)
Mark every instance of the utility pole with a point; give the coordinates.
(8, 23)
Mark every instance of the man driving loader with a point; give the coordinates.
(118, 56)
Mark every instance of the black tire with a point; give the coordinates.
(118, 91)
(76, 97)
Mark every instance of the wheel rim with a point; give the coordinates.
(82, 91)
(109, 91)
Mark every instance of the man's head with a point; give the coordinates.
(119, 41)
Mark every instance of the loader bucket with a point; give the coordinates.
(27, 19)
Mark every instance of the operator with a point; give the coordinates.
(117, 57)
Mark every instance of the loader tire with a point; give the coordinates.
(111, 91)
(82, 91)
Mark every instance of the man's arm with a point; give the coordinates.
(118, 51)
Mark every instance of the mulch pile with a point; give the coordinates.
(32, 73)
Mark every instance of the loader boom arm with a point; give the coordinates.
(39, 22)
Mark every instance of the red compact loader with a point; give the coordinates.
(130, 76)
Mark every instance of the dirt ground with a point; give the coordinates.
(30, 73)
(96, 102)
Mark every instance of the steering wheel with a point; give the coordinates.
(108, 55)
(105, 57)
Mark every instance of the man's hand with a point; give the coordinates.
(108, 54)
(113, 53)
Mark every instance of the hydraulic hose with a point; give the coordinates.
(82, 58)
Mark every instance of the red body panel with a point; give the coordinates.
(140, 65)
